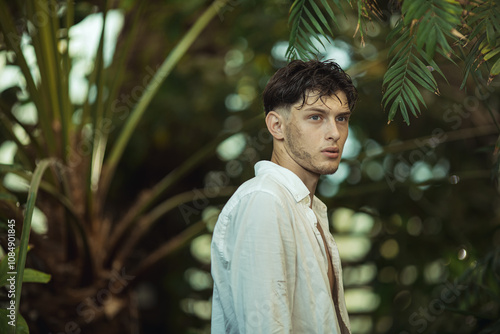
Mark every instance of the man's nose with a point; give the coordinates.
(332, 131)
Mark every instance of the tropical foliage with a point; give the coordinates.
(407, 193)
(71, 140)
(462, 32)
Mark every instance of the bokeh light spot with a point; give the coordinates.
(198, 279)
(414, 226)
(353, 248)
(408, 275)
(200, 248)
(389, 249)
(361, 300)
(232, 147)
(435, 272)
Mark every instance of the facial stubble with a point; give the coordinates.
(300, 155)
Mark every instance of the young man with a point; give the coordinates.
(276, 267)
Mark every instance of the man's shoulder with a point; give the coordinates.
(262, 186)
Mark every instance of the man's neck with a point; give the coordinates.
(308, 178)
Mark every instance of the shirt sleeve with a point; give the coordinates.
(262, 264)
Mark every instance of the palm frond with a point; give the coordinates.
(406, 71)
(426, 27)
(30, 206)
(483, 20)
(307, 22)
(433, 22)
(152, 88)
(13, 42)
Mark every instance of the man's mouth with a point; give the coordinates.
(331, 152)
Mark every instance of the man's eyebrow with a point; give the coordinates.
(325, 111)
(317, 109)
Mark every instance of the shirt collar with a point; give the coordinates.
(289, 180)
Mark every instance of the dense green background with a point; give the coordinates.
(417, 207)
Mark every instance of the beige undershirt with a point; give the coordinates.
(331, 279)
(328, 257)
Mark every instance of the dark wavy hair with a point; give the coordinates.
(291, 84)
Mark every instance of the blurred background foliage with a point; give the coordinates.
(415, 209)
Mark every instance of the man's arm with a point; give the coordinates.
(261, 247)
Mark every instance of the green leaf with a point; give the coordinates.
(492, 53)
(402, 53)
(423, 33)
(5, 327)
(421, 10)
(4, 269)
(411, 86)
(424, 72)
(312, 32)
(452, 8)
(421, 81)
(25, 234)
(433, 64)
(390, 97)
(443, 42)
(391, 73)
(30, 275)
(411, 101)
(395, 84)
(397, 29)
(4, 266)
(8, 197)
(320, 16)
(305, 40)
(491, 35)
(404, 6)
(478, 29)
(392, 111)
(399, 41)
(431, 43)
(495, 69)
(35, 276)
(396, 62)
(314, 21)
(404, 111)
(295, 11)
(330, 11)
(450, 19)
(411, 9)
(436, 68)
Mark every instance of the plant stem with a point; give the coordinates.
(152, 88)
(25, 234)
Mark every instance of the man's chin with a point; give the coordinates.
(328, 170)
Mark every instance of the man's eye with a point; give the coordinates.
(315, 117)
(342, 119)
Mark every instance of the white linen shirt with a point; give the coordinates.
(269, 263)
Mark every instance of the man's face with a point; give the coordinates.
(315, 133)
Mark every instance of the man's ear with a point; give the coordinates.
(275, 123)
